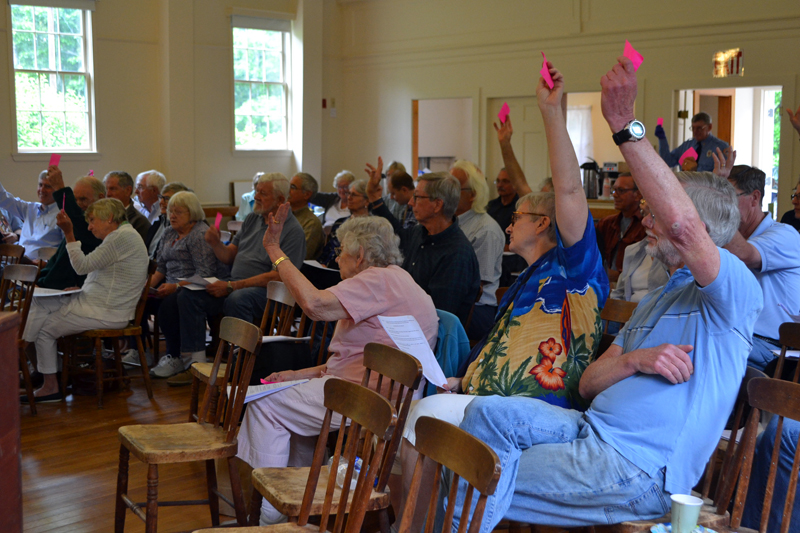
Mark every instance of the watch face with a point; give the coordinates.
(637, 129)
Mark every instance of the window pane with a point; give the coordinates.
(77, 131)
(277, 136)
(22, 18)
(27, 91)
(259, 93)
(241, 97)
(42, 18)
(75, 93)
(71, 53)
(52, 97)
(53, 129)
(24, 57)
(256, 38)
(44, 42)
(239, 64)
(276, 100)
(69, 21)
(29, 130)
(255, 59)
(274, 40)
(239, 38)
(273, 67)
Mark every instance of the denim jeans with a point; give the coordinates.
(555, 470)
(761, 354)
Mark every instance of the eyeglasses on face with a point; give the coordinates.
(293, 187)
(621, 190)
(515, 216)
(795, 195)
(417, 197)
(164, 197)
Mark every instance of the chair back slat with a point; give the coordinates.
(280, 310)
(10, 254)
(617, 311)
(789, 337)
(16, 291)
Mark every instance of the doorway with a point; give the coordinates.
(441, 133)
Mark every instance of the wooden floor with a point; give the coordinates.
(70, 454)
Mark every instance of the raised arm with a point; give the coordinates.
(513, 169)
(571, 207)
(224, 252)
(675, 215)
(376, 204)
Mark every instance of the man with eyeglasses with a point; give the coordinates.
(148, 187)
(703, 142)
(616, 232)
(302, 187)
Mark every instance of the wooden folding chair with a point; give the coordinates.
(133, 329)
(789, 336)
(369, 415)
(211, 437)
(619, 311)
(398, 376)
(10, 254)
(16, 295)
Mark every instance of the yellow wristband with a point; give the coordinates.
(280, 260)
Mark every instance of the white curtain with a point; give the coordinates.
(579, 127)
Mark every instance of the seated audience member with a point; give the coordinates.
(751, 518)
(401, 189)
(157, 229)
(288, 422)
(10, 227)
(39, 227)
(641, 274)
(436, 252)
(302, 187)
(703, 142)
(793, 217)
(183, 254)
(357, 205)
(248, 200)
(58, 272)
(335, 203)
(771, 250)
(116, 270)
(119, 185)
(689, 164)
(242, 294)
(675, 369)
(617, 232)
(501, 209)
(486, 238)
(148, 188)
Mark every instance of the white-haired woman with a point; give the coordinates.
(290, 420)
(184, 252)
(116, 270)
(358, 205)
(335, 203)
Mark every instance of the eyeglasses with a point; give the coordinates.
(517, 214)
(620, 190)
(417, 197)
(644, 211)
(794, 195)
(164, 197)
(293, 187)
(337, 251)
(746, 193)
(466, 188)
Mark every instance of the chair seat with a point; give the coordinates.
(284, 488)
(176, 443)
(286, 527)
(128, 331)
(202, 371)
(708, 518)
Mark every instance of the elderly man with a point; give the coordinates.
(248, 200)
(148, 187)
(301, 188)
(703, 142)
(119, 185)
(486, 238)
(660, 394)
(617, 232)
(772, 251)
(242, 295)
(39, 218)
(436, 253)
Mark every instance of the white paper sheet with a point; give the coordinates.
(255, 392)
(41, 292)
(197, 283)
(790, 354)
(317, 264)
(283, 338)
(408, 336)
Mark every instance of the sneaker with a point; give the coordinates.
(131, 358)
(181, 379)
(167, 366)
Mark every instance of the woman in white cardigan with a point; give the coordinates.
(116, 270)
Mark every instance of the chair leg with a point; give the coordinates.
(26, 377)
(236, 490)
(194, 398)
(122, 488)
(156, 337)
(66, 361)
(118, 365)
(255, 507)
(213, 499)
(145, 370)
(98, 370)
(151, 524)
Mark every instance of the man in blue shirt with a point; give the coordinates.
(703, 142)
(662, 393)
(38, 218)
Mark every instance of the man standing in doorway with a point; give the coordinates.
(703, 142)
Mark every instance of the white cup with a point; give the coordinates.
(685, 512)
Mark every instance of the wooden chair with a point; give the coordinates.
(370, 415)
(501, 291)
(205, 440)
(614, 311)
(10, 254)
(16, 295)
(133, 329)
(398, 376)
(278, 319)
(789, 336)
(44, 254)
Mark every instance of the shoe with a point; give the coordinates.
(181, 379)
(167, 366)
(50, 398)
(131, 358)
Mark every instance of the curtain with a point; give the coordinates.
(579, 127)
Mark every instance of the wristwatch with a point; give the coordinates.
(632, 132)
(230, 287)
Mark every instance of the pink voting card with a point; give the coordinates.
(545, 72)
(635, 57)
(660, 122)
(218, 220)
(503, 114)
(688, 153)
(55, 159)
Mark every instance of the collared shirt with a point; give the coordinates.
(251, 257)
(704, 162)
(487, 240)
(640, 274)
(656, 424)
(39, 227)
(312, 228)
(187, 256)
(612, 243)
(779, 277)
(246, 205)
(502, 213)
(151, 214)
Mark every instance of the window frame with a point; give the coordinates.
(264, 24)
(40, 153)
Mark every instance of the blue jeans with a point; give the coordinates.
(761, 354)
(555, 470)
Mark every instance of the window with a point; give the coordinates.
(52, 78)
(260, 88)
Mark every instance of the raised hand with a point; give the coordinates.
(272, 237)
(55, 178)
(794, 118)
(550, 99)
(504, 131)
(63, 221)
(723, 162)
(618, 94)
(212, 236)
(374, 184)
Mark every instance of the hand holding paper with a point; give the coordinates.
(635, 57)
(660, 121)
(218, 220)
(545, 72)
(504, 111)
(691, 152)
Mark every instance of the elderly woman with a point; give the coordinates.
(184, 253)
(116, 270)
(335, 203)
(358, 205)
(289, 421)
(157, 229)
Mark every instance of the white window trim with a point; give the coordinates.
(88, 50)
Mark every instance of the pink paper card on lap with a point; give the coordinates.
(691, 152)
(218, 220)
(503, 114)
(545, 72)
(55, 159)
(635, 57)
(660, 122)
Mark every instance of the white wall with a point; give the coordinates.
(445, 128)
(604, 147)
